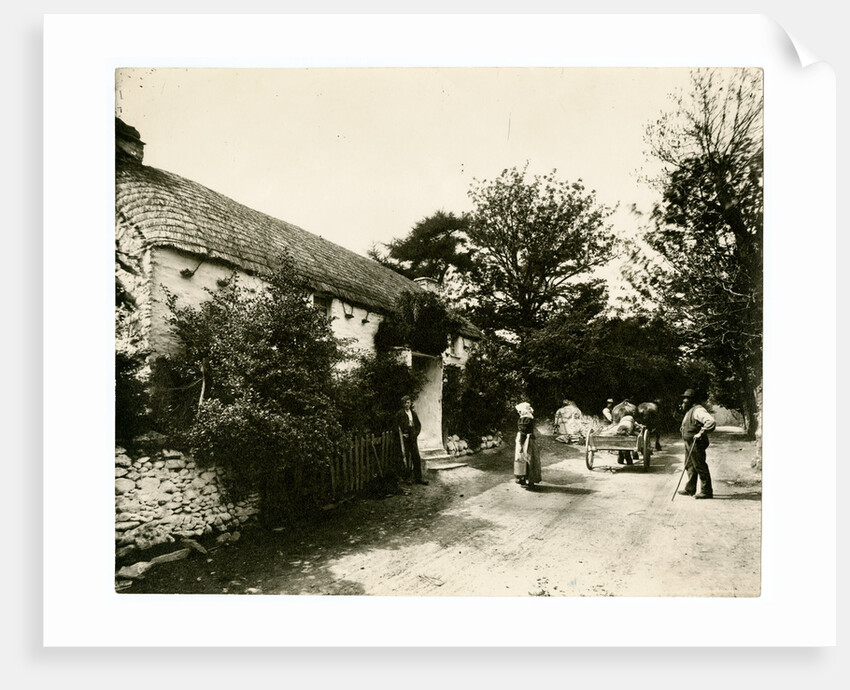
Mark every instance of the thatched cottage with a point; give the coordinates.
(173, 233)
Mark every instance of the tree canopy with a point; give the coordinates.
(532, 239)
(433, 245)
(703, 261)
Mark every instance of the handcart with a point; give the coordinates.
(638, 444)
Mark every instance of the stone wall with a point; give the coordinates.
(165, 496)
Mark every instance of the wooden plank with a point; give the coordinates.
(357, 445)
(384, 450)
(614, 442)
(346, 477)
(361, 469)
(338, 464)
(366, 464)
(351, 456)
(364, 461)
(340, 461)
(387, 451)
(376, 447)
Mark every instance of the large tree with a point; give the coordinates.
(704, 260)
(434, 244)
(532, 240)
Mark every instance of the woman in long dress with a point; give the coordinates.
(526, 455)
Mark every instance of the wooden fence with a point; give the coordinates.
(368, 458)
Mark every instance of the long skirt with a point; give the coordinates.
(527, 465)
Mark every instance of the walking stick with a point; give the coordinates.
(687, 457)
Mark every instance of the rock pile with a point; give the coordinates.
(491, 441)
(457, 446)
(166, 496)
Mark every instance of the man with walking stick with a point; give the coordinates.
(696, 425)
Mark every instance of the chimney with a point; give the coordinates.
(128, 143)
(428, 284)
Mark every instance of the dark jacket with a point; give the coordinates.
(402, 423)
(697, 419)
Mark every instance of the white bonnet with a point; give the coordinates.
(525, 410)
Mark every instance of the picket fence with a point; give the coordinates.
(368, 458)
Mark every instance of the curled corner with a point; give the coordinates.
(797, 48)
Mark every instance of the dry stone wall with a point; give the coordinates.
(165, 496)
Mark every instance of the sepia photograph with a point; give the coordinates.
(439, 331)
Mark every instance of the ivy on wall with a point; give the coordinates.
(419, 321)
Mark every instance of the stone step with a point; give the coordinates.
(433, 454)
(445, 465)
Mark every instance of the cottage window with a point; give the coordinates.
(322, 303)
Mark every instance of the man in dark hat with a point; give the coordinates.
(696, 425)
(409, 426)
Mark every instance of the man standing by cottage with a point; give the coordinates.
(696, 425)
(409, 426)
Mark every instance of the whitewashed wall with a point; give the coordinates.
(355, 325)
(165, 267)
(459, 352)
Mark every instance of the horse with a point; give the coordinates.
(646, 413)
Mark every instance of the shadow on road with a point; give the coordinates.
(560, 489)
(742, 496)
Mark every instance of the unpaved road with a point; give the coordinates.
(613, 531)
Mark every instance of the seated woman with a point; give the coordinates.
(567, 422)
(526, 455)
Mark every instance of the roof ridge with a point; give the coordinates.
(171, 210)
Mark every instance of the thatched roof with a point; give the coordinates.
(171, 211)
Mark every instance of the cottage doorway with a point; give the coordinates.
(429, 403)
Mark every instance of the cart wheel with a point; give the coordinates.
(646, 450)
(588, 453)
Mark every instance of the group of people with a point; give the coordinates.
(697, 423)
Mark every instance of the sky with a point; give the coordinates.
(359, 156)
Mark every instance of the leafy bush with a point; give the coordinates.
(131, 397)
(479, 399)
(369, 395)
(265, 412)
(419, 321)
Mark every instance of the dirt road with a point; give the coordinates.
(613, 531)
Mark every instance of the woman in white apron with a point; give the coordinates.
(526, 454)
